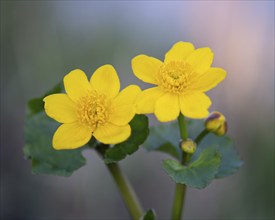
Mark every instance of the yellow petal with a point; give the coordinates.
(167, 107)
(195, 105)
(112, 134)
(60, 107)
(146, 100)
(71, 136)
(76, 84)
(127, 96)
(145, 68)
(124, 109)
(209, 80)
(106, 81)
(179, 51)
(201, 59)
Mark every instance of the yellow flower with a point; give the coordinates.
(180, 80)
(94, 108)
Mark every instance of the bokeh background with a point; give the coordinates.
(44, 40)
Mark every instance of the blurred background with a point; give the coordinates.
(42, 41)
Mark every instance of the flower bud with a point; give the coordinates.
(188, 146)
(216, 123)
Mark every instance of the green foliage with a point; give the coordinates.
(165, 138)
(39, 130)
(197, 174)
(140, 131)
(36, 105)
(230, 162)
(149, 215)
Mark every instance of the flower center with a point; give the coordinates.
(93, 109)
(175, 76)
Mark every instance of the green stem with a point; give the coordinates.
(180, 188)
(178, 201)
(126, 191)
(201, 136)
(124, 186)
(183, 128)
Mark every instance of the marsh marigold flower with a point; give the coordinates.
(94, 108)
(180, 80)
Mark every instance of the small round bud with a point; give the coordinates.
(216, 123)
(188, 146)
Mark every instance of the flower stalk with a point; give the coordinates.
(126, 191)
(124, 186)
(201, 136)
(180, 188)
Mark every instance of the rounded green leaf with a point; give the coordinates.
(197, 174)
(164, 138)
(230, 162)
(39, 130)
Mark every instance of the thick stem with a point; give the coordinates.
(126, 191)
(178, 201)
(183, 128)
(180, 188)
(124, 186)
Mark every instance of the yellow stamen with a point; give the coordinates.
(175, 76)
(93, 109)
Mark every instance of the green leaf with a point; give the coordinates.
(231, 161)
(225, 146)
(36, 105)
(169, 149)
(197, 174)
(149, 215)
(139, 133)
(164, 138)
(39, 130)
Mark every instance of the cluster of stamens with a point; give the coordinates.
(93, 109)
(175, 76)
